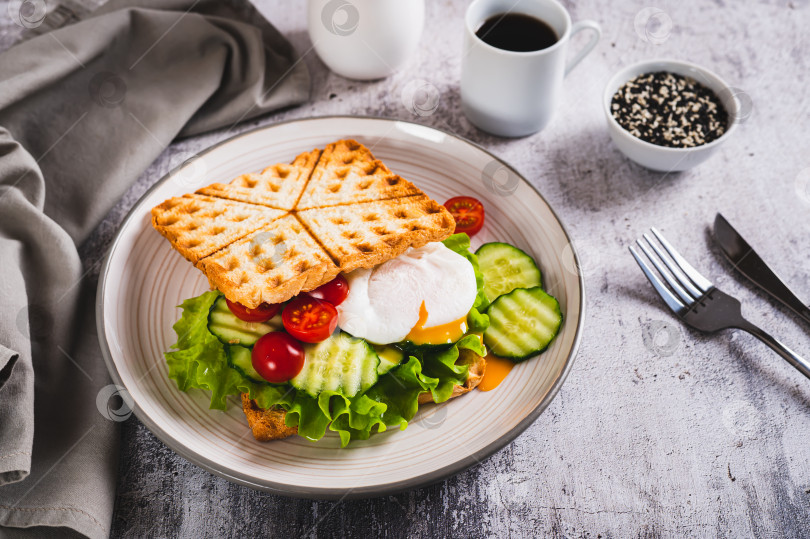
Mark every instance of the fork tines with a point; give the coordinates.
(685, 283)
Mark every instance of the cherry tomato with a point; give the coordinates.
(468, 213)
(309, 319)
(277, 357)
(262, 313)
(335, 291)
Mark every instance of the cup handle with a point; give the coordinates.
(594, 27)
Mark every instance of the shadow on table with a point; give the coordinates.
(594, 174)
(756, 361)
(800, 391)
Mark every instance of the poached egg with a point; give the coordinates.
(422, 296)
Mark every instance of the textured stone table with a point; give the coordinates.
(659, 430)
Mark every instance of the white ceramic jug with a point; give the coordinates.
(365, 39)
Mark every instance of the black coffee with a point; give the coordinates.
(517, 32)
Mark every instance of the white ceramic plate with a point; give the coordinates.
(144, 279)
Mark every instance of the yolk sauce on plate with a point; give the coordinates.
(495, 372)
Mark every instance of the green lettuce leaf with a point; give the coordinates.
(429, 370)
(442, 366)
(477, 321)
(198, 360)
(354, 419)
(399, 391)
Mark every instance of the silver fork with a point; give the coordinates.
(696, 301)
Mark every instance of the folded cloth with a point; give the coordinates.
(83, 111)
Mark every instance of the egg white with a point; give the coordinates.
(384, 302)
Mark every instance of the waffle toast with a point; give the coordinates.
(367, 234)
(335, 210)
(266, 424)
(271, 265)
(199, 225)
(347, 173)
(277, 186)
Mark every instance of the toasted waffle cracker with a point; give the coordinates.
(199, 225)
(271, 265)
(347, 173)
(364, 235)
(277, 186)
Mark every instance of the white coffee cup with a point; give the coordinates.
(365, 39)
(513, 94)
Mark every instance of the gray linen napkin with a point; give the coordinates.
(83, 111)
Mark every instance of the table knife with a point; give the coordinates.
(749, 263)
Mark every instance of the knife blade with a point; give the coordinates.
(749, 263)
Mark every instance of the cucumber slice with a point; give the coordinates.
(522, 323)
(505, 267)
(341, 363)
(226, 327)
(240, 358)
(390, 357)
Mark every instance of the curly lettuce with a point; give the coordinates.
(198, 360)
(477, 321)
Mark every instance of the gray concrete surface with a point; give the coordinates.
(659, 430)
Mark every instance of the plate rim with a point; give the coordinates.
(330, 493)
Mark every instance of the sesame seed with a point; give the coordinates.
(669, 110)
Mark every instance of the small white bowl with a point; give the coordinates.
(664, 158)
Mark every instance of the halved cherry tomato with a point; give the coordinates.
(262, 313)
(277, 357)
(335, 291)
(309, 319)
(468, 213)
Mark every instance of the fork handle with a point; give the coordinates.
(801, 364)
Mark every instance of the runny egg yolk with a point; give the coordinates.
(442, 334)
